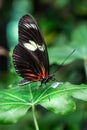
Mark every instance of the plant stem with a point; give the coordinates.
(34, 117)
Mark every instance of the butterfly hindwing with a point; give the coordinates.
(27, 65)
(30, 56)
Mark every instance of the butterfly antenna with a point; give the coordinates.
(64, 60)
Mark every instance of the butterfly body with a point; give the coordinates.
(30, 56)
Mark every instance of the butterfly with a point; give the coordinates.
(30, 56)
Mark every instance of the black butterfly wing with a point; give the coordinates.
(30, 56)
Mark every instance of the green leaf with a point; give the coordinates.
(79, 41)
(15, 102)
(62, 47)
(12, 105)
(60, 104)
(60, 98)
(58, 53)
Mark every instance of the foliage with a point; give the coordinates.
(64, 25)
(78, 42)
(15, 102)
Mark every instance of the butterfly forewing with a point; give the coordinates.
(29, 30)
(30, 56)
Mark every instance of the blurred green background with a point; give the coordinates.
(64, 26)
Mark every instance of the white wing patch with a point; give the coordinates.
(33, 46)
(41, 48)
(31, 26)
